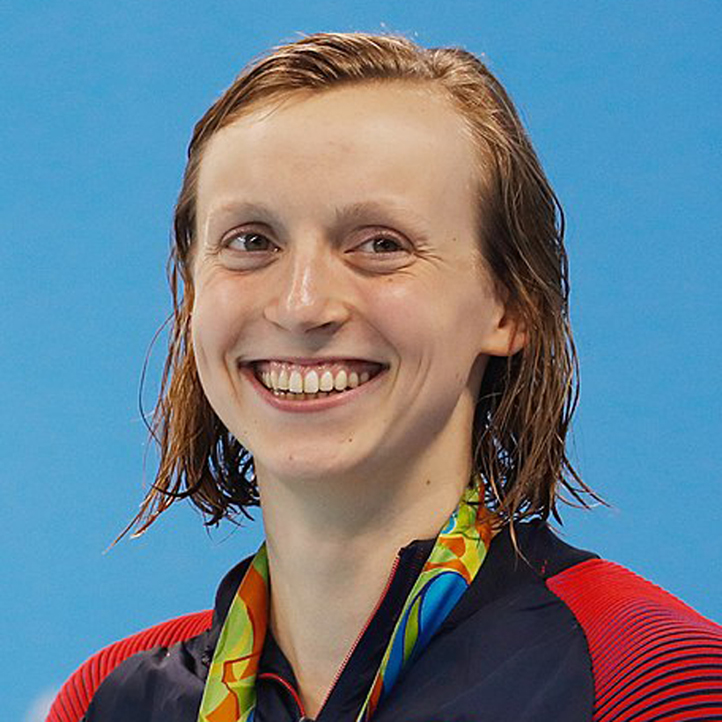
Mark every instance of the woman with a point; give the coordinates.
(372, 342)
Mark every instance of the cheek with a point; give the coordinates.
(212, 327)
(214, 338)
(453, 314)
(399, 312)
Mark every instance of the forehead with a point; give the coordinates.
(397, 139)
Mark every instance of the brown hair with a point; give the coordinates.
(526, 401)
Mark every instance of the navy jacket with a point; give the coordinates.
(557, 635)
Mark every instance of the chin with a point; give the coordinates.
(311, 466)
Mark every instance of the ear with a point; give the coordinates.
(508, 335)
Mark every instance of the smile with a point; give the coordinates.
(308, 381)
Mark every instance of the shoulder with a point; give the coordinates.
(168, 657)
(76, 694)
(652, 656)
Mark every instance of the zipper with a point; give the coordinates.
(352, 649)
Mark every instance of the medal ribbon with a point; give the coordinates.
(457, 556)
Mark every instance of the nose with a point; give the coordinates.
(308, 293)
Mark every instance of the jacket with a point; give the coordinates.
(555, 634)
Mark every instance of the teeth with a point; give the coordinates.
(295, 383)
(326, 382)
(312, 383)
(341, 380)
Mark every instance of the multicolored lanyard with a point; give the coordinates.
(230, 695)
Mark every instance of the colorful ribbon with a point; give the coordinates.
(459, 551)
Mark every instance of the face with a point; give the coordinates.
(343, 314)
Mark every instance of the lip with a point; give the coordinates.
(312, 405)
(313, 361)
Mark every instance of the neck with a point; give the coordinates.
(331, 548)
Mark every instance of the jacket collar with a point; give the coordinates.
(542, 554)
(277, 682)
(357, 673)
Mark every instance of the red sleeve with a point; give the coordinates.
(74, 697)
(653, 657)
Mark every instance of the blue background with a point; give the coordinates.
(98, 100)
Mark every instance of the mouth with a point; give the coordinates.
(306, 381)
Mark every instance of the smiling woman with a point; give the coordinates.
(376, 291)
(371, 341)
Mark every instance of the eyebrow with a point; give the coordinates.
(239, 208)
(387, 210)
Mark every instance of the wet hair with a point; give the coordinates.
(526, 401)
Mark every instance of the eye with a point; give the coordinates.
(382, 245)
(383, 251)
(250, 241)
